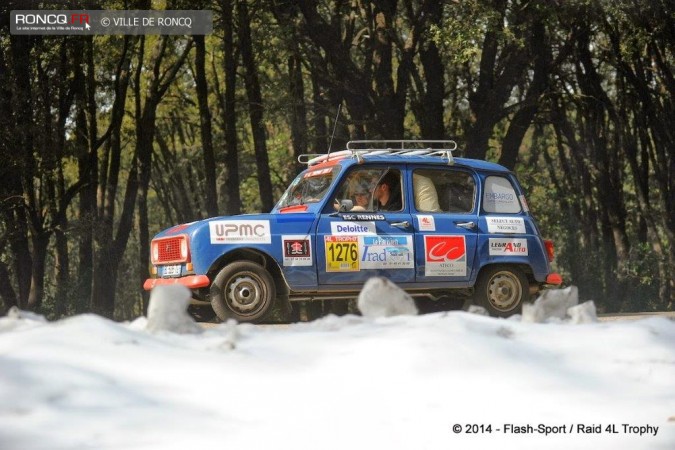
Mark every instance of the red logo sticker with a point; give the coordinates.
(296, 248)
(444, 248)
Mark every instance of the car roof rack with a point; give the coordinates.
(397, 147)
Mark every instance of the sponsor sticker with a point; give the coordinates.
(297, 250)
(426, 223)
(506, 225)
(352, 228)
(362, 216)
(240, 232)
(342, 253)
(318, 173)
(445, 256)
(387, 252)
(499, 196)
(508, 247)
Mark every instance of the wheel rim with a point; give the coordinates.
(245, 294)
(504, 291)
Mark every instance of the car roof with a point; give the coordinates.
(404, 152)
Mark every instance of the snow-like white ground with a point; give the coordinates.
(400, 382)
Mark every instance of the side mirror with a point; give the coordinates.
(346, 205)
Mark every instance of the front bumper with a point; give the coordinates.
(190, 282)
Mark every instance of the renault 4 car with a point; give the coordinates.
(438, 226)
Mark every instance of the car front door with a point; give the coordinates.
(360, 242)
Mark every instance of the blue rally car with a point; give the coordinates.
(409, 211)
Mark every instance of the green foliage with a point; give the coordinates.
(460, 35)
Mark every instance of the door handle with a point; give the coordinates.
(403, 224)
(466, 225)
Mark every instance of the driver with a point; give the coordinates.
(361, 198)
(388, 193)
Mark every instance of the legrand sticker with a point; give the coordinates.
(352, 228)
(444, 256)
(240, 232)
(342, 253)
(426, 223)
(508, 247)
(297, 250)
(387, 252)
(506, 225)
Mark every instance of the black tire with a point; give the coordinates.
(243, 291)
(502, 290)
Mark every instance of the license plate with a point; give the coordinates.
(171, 271)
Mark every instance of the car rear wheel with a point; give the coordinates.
(502, 290)
(243, 291)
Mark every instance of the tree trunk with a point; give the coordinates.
(387, 124)
(7, 293)
(522, 119)
(20, 49)
(109, 246)
(205, 127)
(229, 111)
(145, 137)
(255, 107)
(319, 107)
(298, 110)
(500, 71)
(431, 119)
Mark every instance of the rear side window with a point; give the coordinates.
(443, 190)
(499, 196)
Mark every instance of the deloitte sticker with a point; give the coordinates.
(353, 228)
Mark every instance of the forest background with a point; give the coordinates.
(105, 140)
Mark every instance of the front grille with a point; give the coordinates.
(169, 250)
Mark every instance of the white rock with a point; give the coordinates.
(551, 304)
(532, 313)
(475, 309)
(168, 310)
(18, 319)
(382, 298)
(16, 313)
(584, 313)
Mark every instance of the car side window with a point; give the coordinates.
(358, 186)
(499, 196)
(371, 189)
(443, 190)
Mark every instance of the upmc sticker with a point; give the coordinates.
(444, 256)
(240, 232)
(342, 253)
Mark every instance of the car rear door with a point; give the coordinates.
(445, 220)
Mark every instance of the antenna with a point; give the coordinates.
(337, 116)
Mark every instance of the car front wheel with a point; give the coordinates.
(502, 290)
(243, 291)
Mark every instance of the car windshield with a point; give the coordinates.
(310, 186)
